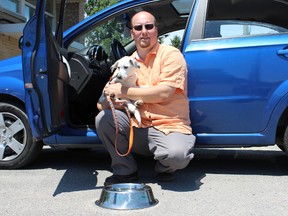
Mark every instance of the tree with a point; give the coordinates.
(103, 34)
(176, 42)
(93, 6)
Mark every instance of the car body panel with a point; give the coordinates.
(11, 81)
(246, 89)
(225, 104)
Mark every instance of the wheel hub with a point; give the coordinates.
(5, 137)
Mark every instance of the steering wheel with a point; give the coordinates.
(96, 54)
(117, 49)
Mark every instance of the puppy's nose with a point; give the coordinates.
(119, 76)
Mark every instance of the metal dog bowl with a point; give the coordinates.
(126, 196)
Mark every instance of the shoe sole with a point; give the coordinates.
(130, 180)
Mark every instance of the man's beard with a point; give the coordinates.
(144, 43)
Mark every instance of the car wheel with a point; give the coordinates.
(17, 145)
(284, 144)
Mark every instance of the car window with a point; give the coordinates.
(173, 38)
(183, 7)
(229, 18)
(103, 34)
(234, 28)
(171, 23)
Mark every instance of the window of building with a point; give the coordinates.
(11, 5)
(30, 6)
(29, 10)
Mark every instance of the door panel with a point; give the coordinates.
(231, 83)
(46, 75)
(237, 72)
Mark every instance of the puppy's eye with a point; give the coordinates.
(125, 67)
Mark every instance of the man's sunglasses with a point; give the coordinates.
(140, 27)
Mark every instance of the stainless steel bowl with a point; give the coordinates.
(127, 196)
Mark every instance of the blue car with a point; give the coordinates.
(237, 56)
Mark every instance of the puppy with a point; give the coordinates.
(124, 73)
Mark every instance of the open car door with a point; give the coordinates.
(46, 73)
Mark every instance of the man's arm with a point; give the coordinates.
(152, 94)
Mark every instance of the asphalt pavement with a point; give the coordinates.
(217, 182)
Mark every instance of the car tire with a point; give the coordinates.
(284, 144)
(17, 144)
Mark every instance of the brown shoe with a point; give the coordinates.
(117, 179)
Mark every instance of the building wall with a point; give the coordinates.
(9, 41)
(8, 46)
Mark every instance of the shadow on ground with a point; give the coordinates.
(83, 167)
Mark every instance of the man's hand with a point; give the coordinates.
(115, 90)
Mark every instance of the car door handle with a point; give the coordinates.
(283, 52)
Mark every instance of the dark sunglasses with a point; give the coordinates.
(140, 27)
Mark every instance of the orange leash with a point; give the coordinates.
(131, 136)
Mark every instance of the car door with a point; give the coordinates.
(237, 59)
(46, 74)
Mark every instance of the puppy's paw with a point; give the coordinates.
(138, 103)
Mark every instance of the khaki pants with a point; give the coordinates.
(172, 152)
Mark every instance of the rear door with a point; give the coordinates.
(237, 57)
(46, 74)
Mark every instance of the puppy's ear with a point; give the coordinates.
(134, 63)
(114, 67)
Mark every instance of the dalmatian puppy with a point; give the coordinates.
(124, 73)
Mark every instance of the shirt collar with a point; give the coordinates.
(152, 52)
